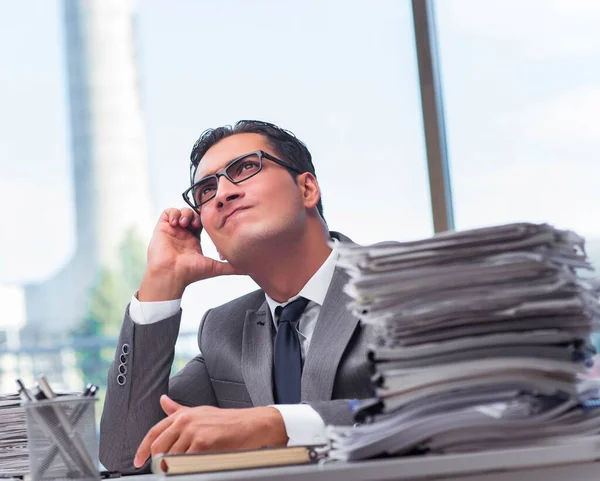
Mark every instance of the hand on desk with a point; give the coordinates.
(207, 428)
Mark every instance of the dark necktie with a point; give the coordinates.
(288, 354)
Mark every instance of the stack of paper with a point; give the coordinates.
(481, 335)
(14, 460)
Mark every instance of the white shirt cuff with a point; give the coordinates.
(151, 312)
(302, 424)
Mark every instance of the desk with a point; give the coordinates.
(574, 461)
(385, 471)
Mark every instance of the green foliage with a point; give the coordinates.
(106, 303)
(133, 260)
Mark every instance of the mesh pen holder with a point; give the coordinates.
(62, 439)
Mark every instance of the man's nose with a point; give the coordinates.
(226, 191)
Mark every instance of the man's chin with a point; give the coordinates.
(247, 242)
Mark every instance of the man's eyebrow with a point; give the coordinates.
(198, 177)
(225, 164)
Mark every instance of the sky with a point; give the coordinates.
(521, 85)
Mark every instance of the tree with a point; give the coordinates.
(105, 307)
(106, 302)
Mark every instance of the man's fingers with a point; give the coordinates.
(182, 444)
(171, 216)
(168, 405)
(174, 217)
(185, 217)
(225, 269)
(163, 443)
(195, 228)
(191, 220)
(190, 217)
(144, 449)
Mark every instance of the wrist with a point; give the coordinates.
(160, 286)
(275, 426)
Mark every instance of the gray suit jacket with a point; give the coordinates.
(234, 369)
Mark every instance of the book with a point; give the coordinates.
(170, 464)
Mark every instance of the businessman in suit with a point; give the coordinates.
(287, 357)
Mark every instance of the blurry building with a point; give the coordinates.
(109, 154)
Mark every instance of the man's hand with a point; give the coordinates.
(175, 258)
(206, 428)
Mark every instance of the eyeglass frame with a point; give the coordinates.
(223, 173)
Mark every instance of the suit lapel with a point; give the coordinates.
(257, 355)
(333, 331)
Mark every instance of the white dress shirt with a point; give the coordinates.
(302, 423)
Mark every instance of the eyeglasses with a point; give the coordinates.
(237, 171)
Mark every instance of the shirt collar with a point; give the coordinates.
(317, 286)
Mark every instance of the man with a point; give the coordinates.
(288, 357)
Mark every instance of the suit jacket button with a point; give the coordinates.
(126, 349)
(122, 369)
(123, 358)
(121, 380)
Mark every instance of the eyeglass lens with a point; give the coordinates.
(237, 172)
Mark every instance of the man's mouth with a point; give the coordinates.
(232, 214)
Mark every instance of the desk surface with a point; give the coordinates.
(573, 461)
(377, 472)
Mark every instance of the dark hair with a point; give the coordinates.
(285, 144)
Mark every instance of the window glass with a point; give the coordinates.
(100, 110)
(521, 83)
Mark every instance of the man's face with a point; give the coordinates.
(264, 207)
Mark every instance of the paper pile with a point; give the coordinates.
(481, 335)
(14, 460)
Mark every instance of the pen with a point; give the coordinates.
(45, 388)
(23, 391)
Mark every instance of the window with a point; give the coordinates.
(521, 83)
(340, 75)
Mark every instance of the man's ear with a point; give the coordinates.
(311, 192)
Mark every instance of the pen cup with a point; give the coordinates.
(62, 439)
